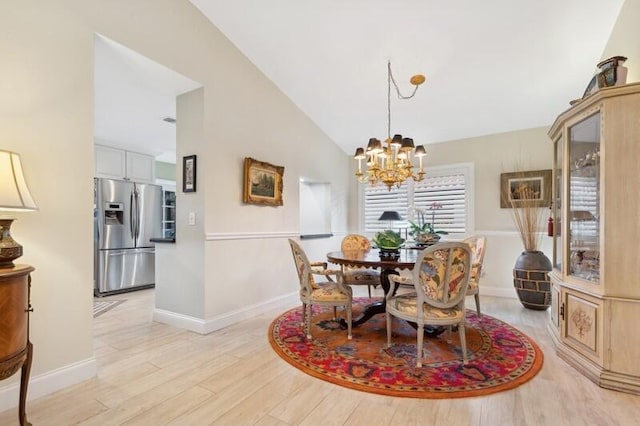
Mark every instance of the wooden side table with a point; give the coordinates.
(16, 351)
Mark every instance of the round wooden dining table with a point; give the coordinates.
(371, 259)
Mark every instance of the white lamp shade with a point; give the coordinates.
(14, 193)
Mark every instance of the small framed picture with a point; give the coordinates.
(262, 183)
(518, 188)
(189, 173)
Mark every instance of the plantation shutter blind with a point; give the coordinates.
(584, 197)
(378, 199)
(450, 186)
(449, 191)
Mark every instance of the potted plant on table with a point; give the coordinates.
(389, 243)
(424, 232)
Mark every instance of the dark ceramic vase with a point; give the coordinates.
(531, 280)
(389, 254)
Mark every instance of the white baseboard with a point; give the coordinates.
(198, 325)
(47, 383)
(509, 293)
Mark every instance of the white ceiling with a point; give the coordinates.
(492, 66)
(132, 96)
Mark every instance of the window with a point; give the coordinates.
(451, 186)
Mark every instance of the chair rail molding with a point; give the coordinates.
(223, 236)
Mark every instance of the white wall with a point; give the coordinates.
(180, 267)
(315, 208)
(46, 114)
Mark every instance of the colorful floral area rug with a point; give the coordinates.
(500, 356)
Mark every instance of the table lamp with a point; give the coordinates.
(14, 196)
(390, 216)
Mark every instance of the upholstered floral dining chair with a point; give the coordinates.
(322, 293)
(477, 245)
(440, 279)
(359, 276)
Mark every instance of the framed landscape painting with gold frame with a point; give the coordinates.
(262, 183)
(531, 186)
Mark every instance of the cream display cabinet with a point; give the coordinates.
(595, 295)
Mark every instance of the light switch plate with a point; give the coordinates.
(192, 218)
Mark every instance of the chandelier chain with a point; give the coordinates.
(393, 80)
(390, 80)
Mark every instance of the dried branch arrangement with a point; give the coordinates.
(527, 217)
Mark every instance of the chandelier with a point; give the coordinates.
(391, 164)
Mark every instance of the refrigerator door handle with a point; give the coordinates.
(135, 195)
(132, 216)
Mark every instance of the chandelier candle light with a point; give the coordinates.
(391, 164)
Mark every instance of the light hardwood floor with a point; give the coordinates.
(153, 374)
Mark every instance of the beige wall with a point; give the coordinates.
(492, 155)
(625, 39)
(46, 114)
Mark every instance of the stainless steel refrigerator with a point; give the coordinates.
(126, 216)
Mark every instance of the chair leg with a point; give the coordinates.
(419, 349)
(369, 287)
(304, 314)
(463, 342)
(349, 322)
(335, 312)
(388, 329)
(307, 325)
(477, 297)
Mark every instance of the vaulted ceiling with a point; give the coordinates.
(492, 66)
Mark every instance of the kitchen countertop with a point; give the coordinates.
(163, 240)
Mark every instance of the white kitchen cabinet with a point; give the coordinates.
(114, 163)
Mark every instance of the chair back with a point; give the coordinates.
(441, 274)
(354, 242)
(477, 245)
(303, 268)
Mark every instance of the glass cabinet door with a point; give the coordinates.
(556, 203)
(584, 199)
(169, 214)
